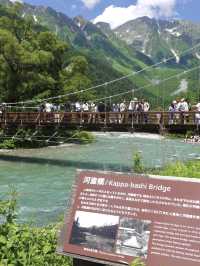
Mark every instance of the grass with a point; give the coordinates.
(189, 169)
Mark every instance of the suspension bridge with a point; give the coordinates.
(152, 121)
(105, 121)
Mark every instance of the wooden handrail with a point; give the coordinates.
(130, 118)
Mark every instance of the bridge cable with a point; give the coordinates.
(135, 90)
(148, 85)
(164, 61)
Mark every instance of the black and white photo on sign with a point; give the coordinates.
(94, 230)
(133, 237)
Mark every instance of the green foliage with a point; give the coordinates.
(83, 137)
(33, 60)
(137, 163)
(137, 262)
(8, 144)
(22, 245)
(30, 138)
(181, 169)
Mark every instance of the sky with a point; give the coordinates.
(117, 12)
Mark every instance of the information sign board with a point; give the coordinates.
(116, 217)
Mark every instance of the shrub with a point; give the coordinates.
(23, 245)
(181, 169)
(83, 137)
(8, 144)
(137, 163)
(137, 262)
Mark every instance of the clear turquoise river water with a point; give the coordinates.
(43, 177)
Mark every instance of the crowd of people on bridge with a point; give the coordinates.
(90, 106)
(179, 109)
(139, 108)
(135, 105)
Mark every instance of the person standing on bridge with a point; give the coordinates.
(123, 109)
(92, 109)
(48, 107)
(1, 112)
(133, 105)
(172, 109)
(183, 107)
(140, 110)
(146, 108)
(85, 108)
(101, 109)
(77, 106)
(197, 115)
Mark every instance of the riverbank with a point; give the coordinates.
(123, 135)
(33, 139)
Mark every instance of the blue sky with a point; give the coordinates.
(116, 12)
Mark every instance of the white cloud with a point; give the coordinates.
(90, 3)
(16, 1)
(117, 16)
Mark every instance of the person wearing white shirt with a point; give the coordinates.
(77, 107)
(197, 115)
(122, 109)
(183, 107)
(48, 107)
(85, 107)
(146, 108)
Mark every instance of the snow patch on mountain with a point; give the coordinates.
(175, 55)
(35, 18)
(159, 31)
(78, 24)
(183, 87)
(198, 56)
(174, 32)
(144, 48)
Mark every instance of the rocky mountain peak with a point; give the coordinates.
(80, 21)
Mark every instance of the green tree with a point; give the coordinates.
(74, 79)
(35, 64)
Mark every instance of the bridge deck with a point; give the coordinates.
(118, 121)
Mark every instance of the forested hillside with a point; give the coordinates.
(44, 53)
(34, 63)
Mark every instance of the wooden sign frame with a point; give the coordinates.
(148, 208)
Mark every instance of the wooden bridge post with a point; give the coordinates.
(78, 262)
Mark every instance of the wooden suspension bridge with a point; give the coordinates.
(179, 122)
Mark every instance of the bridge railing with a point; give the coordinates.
(106, 118)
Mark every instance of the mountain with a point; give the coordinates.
(127, 49)
(162, 38)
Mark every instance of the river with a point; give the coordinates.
(43, 177)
